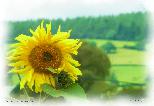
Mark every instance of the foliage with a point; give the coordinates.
(140, 45)
(113, 78)
(134, 92)
(128, 26)
(93, 43)
(87, 57)
(72, 91)
(94, 64)
(129, 47)
(104, 89)
(63, 80)
(109, 48)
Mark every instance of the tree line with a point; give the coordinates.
(126, 26)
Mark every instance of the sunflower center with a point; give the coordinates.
(45, 56)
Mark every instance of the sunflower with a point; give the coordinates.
(32, 57)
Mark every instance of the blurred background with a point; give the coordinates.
(114, 36)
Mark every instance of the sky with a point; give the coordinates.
(33, 9)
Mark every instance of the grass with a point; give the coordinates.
(122, 56)
(134, 74)
(117, 43)
(127, 56)
(130, 75)
(127, 64)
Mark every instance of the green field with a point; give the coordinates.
(127, 67)
(127, 56)
(126, 64)
(130, 74)
(123, 56)
(117, 43)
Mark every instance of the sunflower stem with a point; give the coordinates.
(46, 96)
(40, 97)
(25, 91)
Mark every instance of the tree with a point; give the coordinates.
(140, 45)
(94, 64)
(109, 48)
(128, 26)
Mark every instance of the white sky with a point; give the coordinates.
(33, 9)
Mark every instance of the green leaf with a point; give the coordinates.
(73, 91)
(51, 69)
(51, 91)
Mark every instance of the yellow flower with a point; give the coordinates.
(32, 55)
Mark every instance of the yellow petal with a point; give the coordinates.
(70, 59)
(52, 81)
(31, 83)
(27, 78)
(19, 71)
(48, 26)
(22, 38)
(72, 69)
